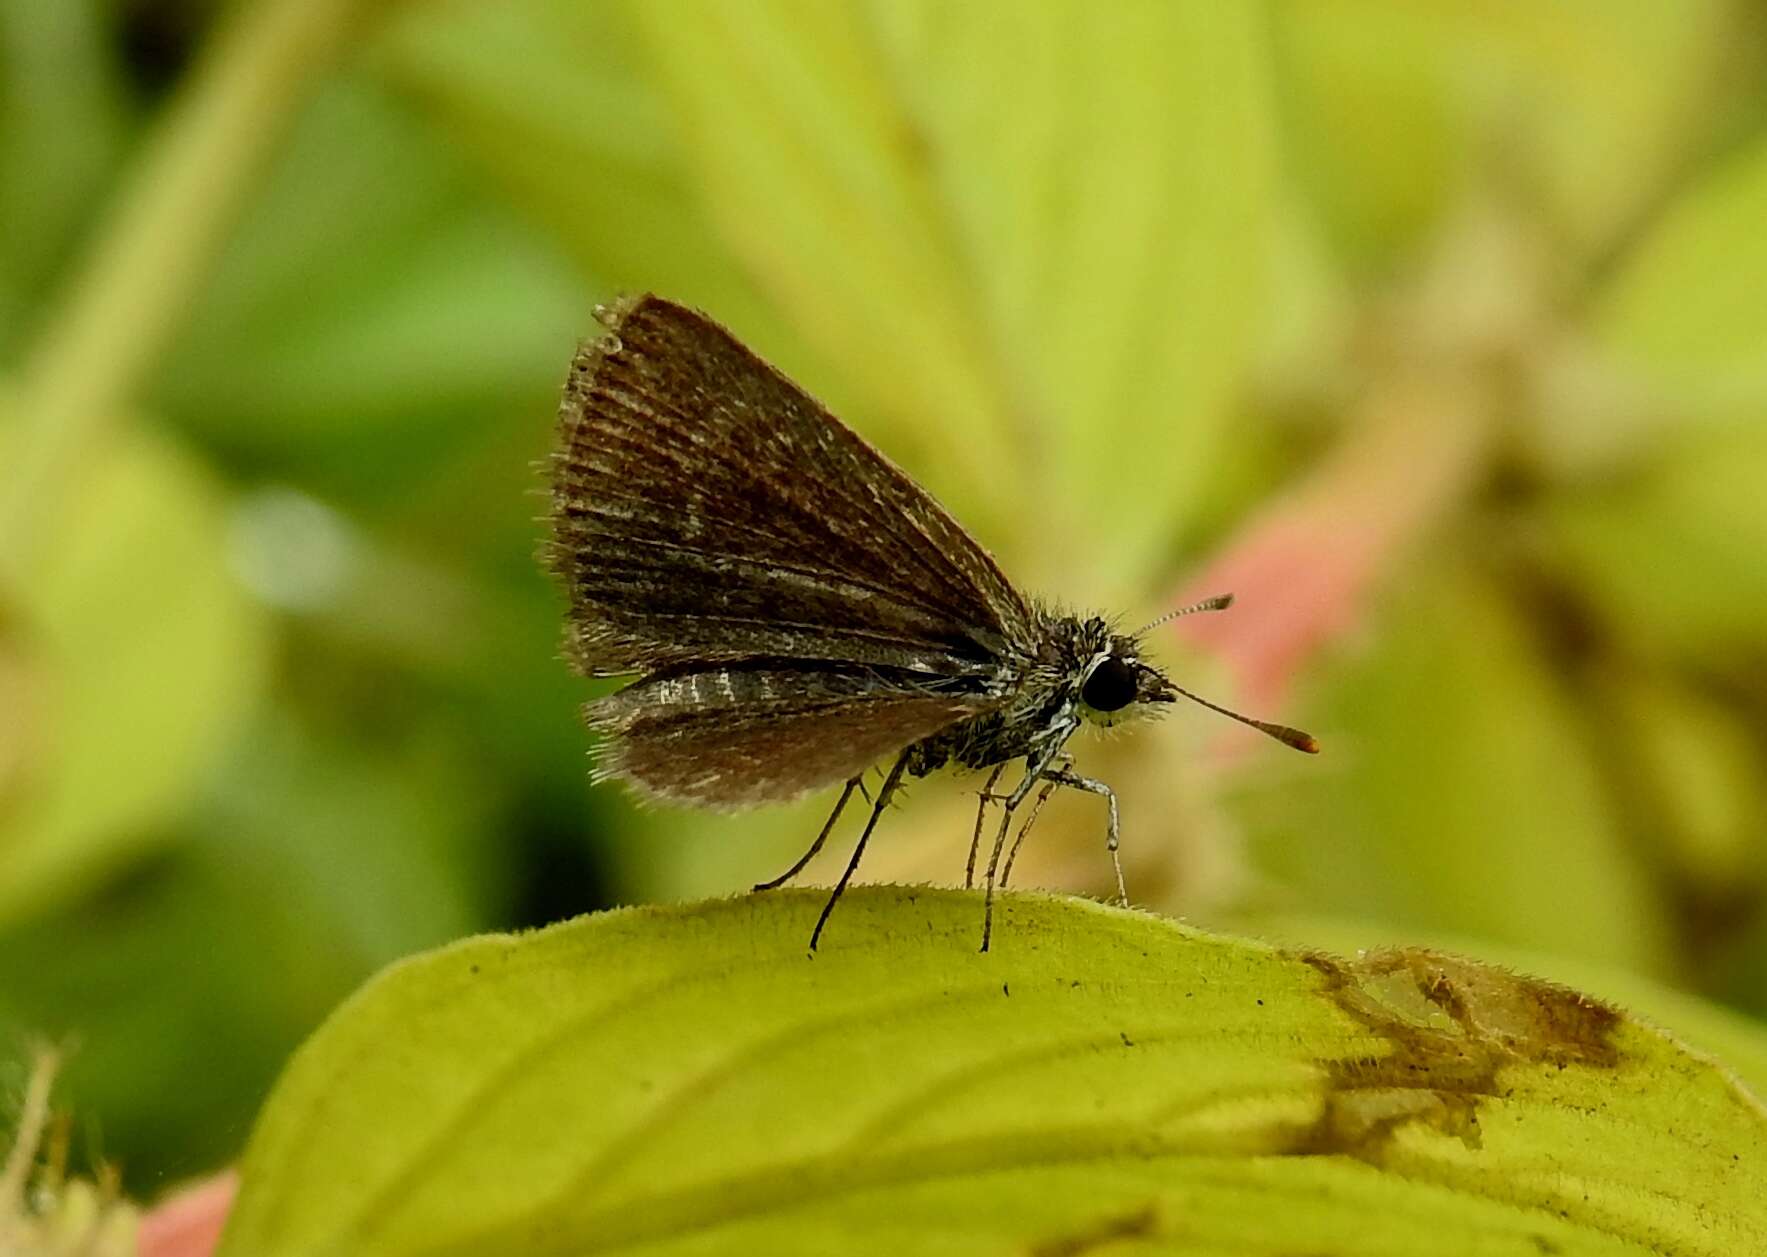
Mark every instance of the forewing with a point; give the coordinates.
(744, 735)
(706, 509)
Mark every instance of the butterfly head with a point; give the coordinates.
(1117, 686)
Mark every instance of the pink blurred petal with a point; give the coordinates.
(1303, 570)
(1292, 596)
(189, 1223)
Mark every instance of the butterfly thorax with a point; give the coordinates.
(1045, 680)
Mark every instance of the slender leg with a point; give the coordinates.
(827, 827)
(1006, 810)
(1061, 761)
(883, 800)
(1067, 777)
(975, 843)
(1036, 809)
(1033, 773)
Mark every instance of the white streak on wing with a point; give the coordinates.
(611, 509)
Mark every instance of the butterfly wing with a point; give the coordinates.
(736, 736)
(800, 607)
(706, 509)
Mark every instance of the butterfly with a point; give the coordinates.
(796, 609)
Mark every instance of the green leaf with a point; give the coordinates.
(690, 1080)
(143, 653)
(1116, 252)
(1377, 143)
(557, 102)
(796, 135)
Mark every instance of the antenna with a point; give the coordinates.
(1220, 602)
(1282, 733)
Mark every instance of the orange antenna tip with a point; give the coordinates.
(1282, 733)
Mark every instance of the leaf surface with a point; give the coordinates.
(690, 1080)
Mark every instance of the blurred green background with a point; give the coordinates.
(1438, 331)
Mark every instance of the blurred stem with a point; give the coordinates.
(33, 1117)
(165, 229)
(1415, 448)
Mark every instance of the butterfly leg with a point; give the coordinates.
(883, 800)
(1006, 810)
(1065, 776)
(975, 844)
(1035, 771)
(1036, 809)
(827, 828)
(1063, 761)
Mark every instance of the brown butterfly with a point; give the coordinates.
(796, 609)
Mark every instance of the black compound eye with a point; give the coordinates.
(1111, 686)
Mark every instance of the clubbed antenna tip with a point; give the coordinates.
(1282, 733)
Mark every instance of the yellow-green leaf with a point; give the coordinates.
(1050, 305)
(1116, 250)
(793, 128)
(556, 99)
(1378, 144)
(691, 1080)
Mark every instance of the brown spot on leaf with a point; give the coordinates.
(1451, 1026)
(1137, 1224)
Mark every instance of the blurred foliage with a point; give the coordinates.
(279, 689)
(43, 1212)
